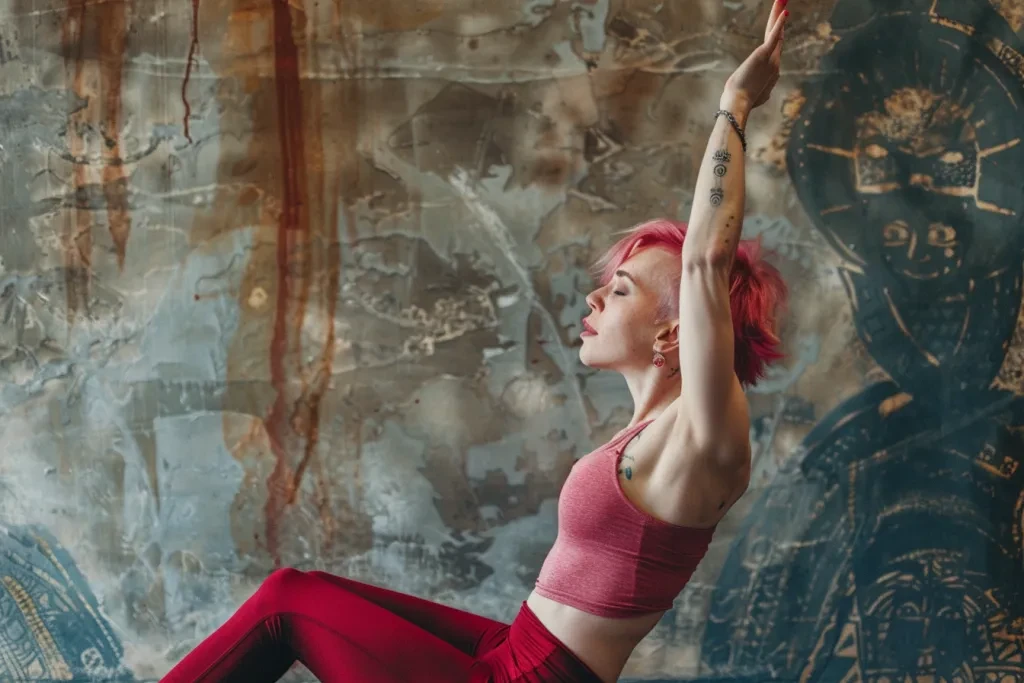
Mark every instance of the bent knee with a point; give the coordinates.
(282, 584)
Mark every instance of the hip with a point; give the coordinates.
(604, 643)
(527, 652)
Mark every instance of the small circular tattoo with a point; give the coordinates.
(720, 170)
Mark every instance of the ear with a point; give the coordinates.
(667, 340)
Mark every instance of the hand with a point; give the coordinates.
(751, 84)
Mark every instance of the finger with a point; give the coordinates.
(774, 39)
(777, 9)
(777, 52)
(773, 16)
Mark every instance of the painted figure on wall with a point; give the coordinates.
(895, 551)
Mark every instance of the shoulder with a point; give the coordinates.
(684, 484)
(677, 445)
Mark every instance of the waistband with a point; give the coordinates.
(534, 646)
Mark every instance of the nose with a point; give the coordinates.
(914, 251)
(594, 300)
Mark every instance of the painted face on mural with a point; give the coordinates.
(914, 165)
(924, 613)
(907, 164)
(926, 144)
(916, 137)
(631, 311)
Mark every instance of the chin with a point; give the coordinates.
(584, 356)
(588, 359)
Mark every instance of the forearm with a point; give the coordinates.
(716, 218)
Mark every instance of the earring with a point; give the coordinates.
(659, 360)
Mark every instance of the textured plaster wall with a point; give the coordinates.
(295, 283)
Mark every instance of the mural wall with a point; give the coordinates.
(296, 283)
(906, 561)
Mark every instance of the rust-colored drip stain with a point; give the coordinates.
(318, 381)
(308, 254)
(105, 23)
(76, 241)
(292, 279)
(193, 44)
(113, 30)
(298, 168)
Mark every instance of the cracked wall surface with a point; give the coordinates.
(296, 283)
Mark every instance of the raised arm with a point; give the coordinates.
(713, 407)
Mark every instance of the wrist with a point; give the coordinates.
(736, 104)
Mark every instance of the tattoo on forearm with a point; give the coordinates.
(721, 159)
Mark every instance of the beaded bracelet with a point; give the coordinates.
(735, 125)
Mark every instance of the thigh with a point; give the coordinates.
(338, 632)
(460, 629)
(344, 635)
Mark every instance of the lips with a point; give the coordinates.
(587, 329)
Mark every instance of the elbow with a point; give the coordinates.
(710, 260)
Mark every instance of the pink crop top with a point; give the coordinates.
(610, 558)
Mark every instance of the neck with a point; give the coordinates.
(652, 390)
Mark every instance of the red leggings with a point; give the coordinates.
(350, 632)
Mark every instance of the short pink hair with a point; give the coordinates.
(756, 292)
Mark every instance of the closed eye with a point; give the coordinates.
(619, 293)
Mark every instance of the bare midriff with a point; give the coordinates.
(604, 644)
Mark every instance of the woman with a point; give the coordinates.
(687, 323)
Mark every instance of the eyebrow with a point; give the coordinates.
(622, 273)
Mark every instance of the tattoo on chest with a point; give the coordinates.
(627, 461)
(626, 466)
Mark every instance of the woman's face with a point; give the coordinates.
(629, 312)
